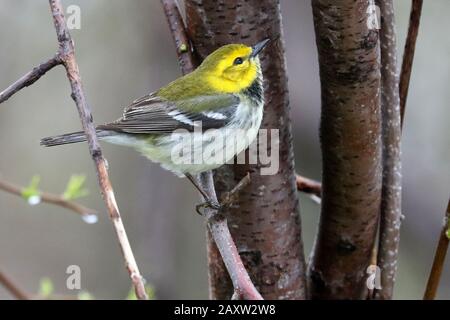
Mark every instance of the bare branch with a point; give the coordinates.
(66, 57)
(390, 214)
(439, 259)
(217, 223)
(231, 196)
(66, 53)
(408, 54)
(30, 77)
(179, 35)
(307, 185)
(49, 198)
(12, 287)
(310, 187)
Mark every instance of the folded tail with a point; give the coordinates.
(73, 137)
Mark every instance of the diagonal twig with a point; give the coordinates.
(307, 185)
(439, 259)
(311, 187)
(217, 223)
(229, 197)
(66, 53)
(12, 287)
(408, 53)
(49, 198)
(30, 77)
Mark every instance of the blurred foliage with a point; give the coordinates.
(75, 187)
(84, 295)
(148, 289)
(46, 288)
(183, 47)
(31, 192)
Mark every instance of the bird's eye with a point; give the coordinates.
(238, 60)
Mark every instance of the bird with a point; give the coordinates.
(197, 122)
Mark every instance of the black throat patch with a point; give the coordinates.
(255, 91)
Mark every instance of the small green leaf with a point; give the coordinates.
(447, 233)
(183, 48)
(84, 295)
(31, 192)
(148, 289)
(45, 287)
(75, 187)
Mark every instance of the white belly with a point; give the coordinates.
(196, 152)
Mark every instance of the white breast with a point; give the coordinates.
(202, 151)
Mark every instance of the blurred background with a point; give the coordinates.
(124, 50)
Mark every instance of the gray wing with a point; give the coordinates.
(152, 114)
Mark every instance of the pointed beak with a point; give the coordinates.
(256, 49)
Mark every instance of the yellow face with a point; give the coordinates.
(231, 68)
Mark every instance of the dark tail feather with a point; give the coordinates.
(73, 137)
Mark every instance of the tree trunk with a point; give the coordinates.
(265, 222)
(351, 146)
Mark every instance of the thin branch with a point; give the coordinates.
(408, 54)
(184, 49)
(217, 223)
(12, 287)
(311, 187)
(30, 77)
(307, 185)
(66, 53)
(51, 198)
(229, 197)
(390, 210)
(179, 35)
(439, 259)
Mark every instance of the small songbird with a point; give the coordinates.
(197, 122)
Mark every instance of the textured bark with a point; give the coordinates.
(351, 147)
(389, 237)
(265, 222)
